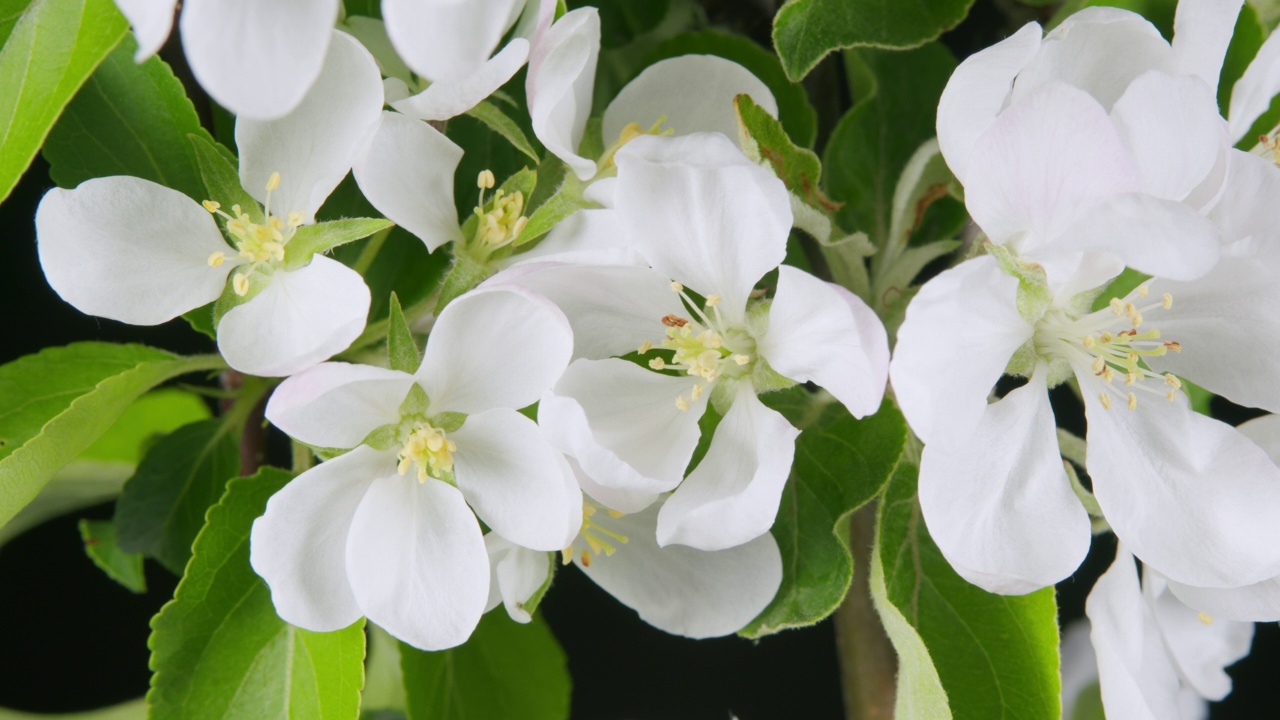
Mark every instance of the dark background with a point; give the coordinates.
(72, 639)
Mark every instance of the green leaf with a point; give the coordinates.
(162, 507)
(840, 464)
(218, 648)
(323, 237)
(221, 177)
(794, 110)
(128, 119)
(996, 656)
(489, 114)
(100, 545)
(798, 168)
(132, 710)
(506, 670)
(51, 51)
(10, 11)
(402, 349)
(57, 402)
(804, 31)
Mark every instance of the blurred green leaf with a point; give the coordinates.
(325, 236)
(132, 710)
(10, 11)
(499, 122)
(100, 545)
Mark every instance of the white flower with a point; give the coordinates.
(257, 59)
(710, 222)
(134, 251)
(385, 530)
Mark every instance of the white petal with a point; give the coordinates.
(1253, 92)
(1202, 30)
(444, 99)
(1247, 207)
(299, 319)
(497, 346)
(681, 590)
(518, 484)
(977, 92)
(562, 73)
(620, 499)
(716, 227)
(517, 573)
(1259, 602)
(151, 21)
(1079, 665)
(257, 58)
(130, 250)
(621, 423)
(299, 545)
(1190, 495)
(999, 503)
(336, 405)
(733, 494)
(407, 174)
(447, 39)
(588, 237)
(694, 93)
(958, 336)
(417, 562)
(314, 146)
(372, 33)
(1172, 127)
(1041, 162)
(1201, 647)
(819, 332)
(1265, 433)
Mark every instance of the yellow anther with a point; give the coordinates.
(1170, 395)
(1132, 357)
(1205, 618)
(682, 404)
(586, 559)
(616, 514)
(1107, 337)
(1130, 378)
(1089, 342)
(1105, 399)
(676, 287)
(485, 180)
(713, 300)
(1108, 374)
(645, 347)
(273, 182)
(211, 205)
(657, 363)
(1099, 364)
(1137, 319)
(1130, 310)
(696, 393)
(217, 258)
(741, 359)
(1168, 301)
(1172, 381)
(1117, 306)
(1143, 290)
(240, 284)
(295, 219)
(1173, 345)
(1133, 401)
(518, 226)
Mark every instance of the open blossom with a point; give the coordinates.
(135, 251)
(711, 224)
(389, 529)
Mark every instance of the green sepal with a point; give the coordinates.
(499, 122)
(402, 349)
(415, 402)
(448, 421)
(100, 545)
(566, 201)
(1034, 297)
(222, 178)
(465, 274)
(382, 438)
(322, 237)
(530, 605)
(799, 168)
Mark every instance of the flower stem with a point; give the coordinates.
(868, 663)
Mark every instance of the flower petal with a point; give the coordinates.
(587, 237)
(1259, 602)
(1200, 647)
(497, 346)
(444, 99)
(517, 573)
(407, 174)
(620, 499)
(958, 336)
(130, 250)
(518, 484)
(315, 144)
(1247, 208)
(733, 494)
(1202, 30)
(681, 590)
(621, 423)
(713, 225)
(417, 562)
(559, 86)
(151, 21)
(447, 39)
(819, 332)
(299, 545)
(1253, 92)
(257, 59)
(299, 319)
(336, 405)
(999, 503)
(977, 92)
(1190, 495)
(694, 93)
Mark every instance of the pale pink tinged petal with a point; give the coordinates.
(1138, 679)
(151, 21)
(130, 250)
(681, 590)
(1253, 92)
(559, 86)
(1201, 646)
(516, 481)
(819, 332)
(1153, 236)
(587, 237)
(1172, 127)
(299, 319)
(1099, 50)
(336, 405)
(999, 503)
(1190, 495)
(314, 146)
(257, 59)
(407, 174)
(1041, 163)
(1248, 206)
(1259, 602)
(444, 99)
(498, 346)
(958, 336)
(978, 91)
(448, 39)
(517, 573)
(621, 423)
(1202, 30)
(718, 229)
(690, 93)
(1227, 325)
(733, 495)
(620, 499)
(299, 545)
(612, 310)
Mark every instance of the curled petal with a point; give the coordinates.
(444, 99)
(516, 574)
(1202, 30)
(336, 405)
(561, 78)
(151, 21)
(1253, 92)
(447, 39)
